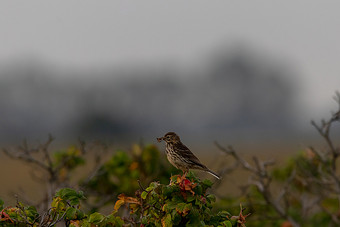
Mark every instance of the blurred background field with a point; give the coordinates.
(251, 75)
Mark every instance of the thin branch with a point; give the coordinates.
(230, 151)
(140, 185)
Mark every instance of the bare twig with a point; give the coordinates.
(261, 179)
(140, 185)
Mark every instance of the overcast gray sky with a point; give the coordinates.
(80, 34)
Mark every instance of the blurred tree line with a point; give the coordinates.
(239, 90)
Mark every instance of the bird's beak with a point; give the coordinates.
(160, 139)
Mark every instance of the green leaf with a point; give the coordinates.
(144, 195)
(195, 223)
(187, 208)
(207, 183)
(166, 221)
(169, 189)
(145, 219)
(176, 218)
(119, 222)
(155, 213)
(198, 203)
(80, 214)
(227, 224)
(183, 208)
(191, 175)
(73, 200)
(148, 189)
(194, 214)
(31, 213)
(191, 198)
(180, 207)
(58, 203)
(211, 198)
(224, 214)
(96, 218)
(152, 186)
(69, 194)
(114, 221)
(172, 204)
(66, 192)
(71, 213)
(198, 190)
(81, 195)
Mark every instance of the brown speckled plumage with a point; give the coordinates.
(180, 156)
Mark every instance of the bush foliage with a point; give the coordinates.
(303, 192)
(182, 202)
(116, 183)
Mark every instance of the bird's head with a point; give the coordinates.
(170, 137)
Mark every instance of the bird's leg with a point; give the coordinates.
(184, 174)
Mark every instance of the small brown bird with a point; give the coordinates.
(180, 156)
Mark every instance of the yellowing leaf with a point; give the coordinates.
(75, 223)
(128, 199)
(125, 199)
(166, 221)
(118, 204)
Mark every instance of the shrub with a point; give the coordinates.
(182, 202)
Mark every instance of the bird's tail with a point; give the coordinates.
(214, 174)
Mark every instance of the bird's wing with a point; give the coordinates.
(189, 156)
